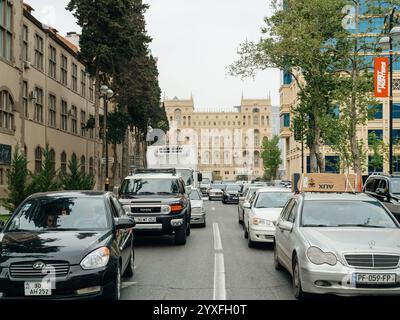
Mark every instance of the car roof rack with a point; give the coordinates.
(161, 170)
(393, 175)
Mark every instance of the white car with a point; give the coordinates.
(247, 193)
(198, 210)
(263, 211)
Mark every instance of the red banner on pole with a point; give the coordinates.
(381, 77)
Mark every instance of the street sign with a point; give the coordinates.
(110, 160)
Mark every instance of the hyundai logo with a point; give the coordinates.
(371, 244)
(39, 265)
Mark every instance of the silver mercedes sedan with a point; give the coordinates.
(342, 244)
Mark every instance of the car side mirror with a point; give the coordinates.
(285, 226)
(247, 205)
(124, 223)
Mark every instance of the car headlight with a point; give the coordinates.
(319, 257)
(262, 222)
(96, 259)
(127, 208)
(165, 209)
(197, 210)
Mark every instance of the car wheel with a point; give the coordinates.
(188, 229)
(297, 289)
(204, 224)
(130, 269)
(277, 264)
(239, 221)
(246, 234)
(114, 292)
(181, 234)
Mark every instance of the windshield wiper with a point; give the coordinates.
(22, 230)
(147, 193)
(165, 193)
(317, 225)
(360, 225)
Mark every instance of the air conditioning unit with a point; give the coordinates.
(33, 95)
(27, 64)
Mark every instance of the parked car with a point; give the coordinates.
(216, 192)
(158, 201)
(198, 209)
(205, 186)
(386, 189)
(343, 244)
(66, 245)
(262, 213)
(231, 193)
(247, 192)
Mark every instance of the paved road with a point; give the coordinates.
(208, 267)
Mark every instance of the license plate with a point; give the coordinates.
(379, 278)
(145, 219)
(38, 288)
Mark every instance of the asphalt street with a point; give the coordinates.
(216, 263)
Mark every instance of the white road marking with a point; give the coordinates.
(219, 266)
(219, 277)
(217, 237)
(127, 284)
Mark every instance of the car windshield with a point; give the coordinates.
(195, 195)
(395, 186)
(218, 186)
(57, 214)
(272, 199)
(187, 175)
(149, 186)
(368, 214)
(233, 187)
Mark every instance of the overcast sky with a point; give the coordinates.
(195, 41)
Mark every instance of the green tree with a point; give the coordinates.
(76, 179)
(271, 155)
(379, 150)
(17, 179)
(47, 179)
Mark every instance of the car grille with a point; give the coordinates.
(26, 270)
(374, 261)
(144, 210)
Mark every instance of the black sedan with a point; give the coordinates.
(231, 193)
(66, 245)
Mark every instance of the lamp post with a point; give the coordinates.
(107, 94)
(392, 33)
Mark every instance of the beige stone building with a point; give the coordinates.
(228, 142)
(46, 97)
(379, 125)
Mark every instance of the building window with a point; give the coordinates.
(74, 120)
(257, 138)
(83, 164)
(63, 162)
(25, 98)
(332, 164)
(287, 78)
(375, 164)
(83, 123)
(91, 135)
(38, 160)
(256, 159)
(52, 62)
(64, 70)
(396, 111)
(53, 160)
(38, 52)
(83, 83)
(64, 115)
(378, 135)
(91, 90)
(6, 34)
(6, 110)
(256, 117)
(91, 165)
(52, 111)
(178, 116)
(39, 105)
(375, 111)
(74, 77)
(74, 158)
(285, 120)
(25, 44)
(2, 177)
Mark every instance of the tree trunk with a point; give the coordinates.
(97, 160)
(125, 155)
(115, 173)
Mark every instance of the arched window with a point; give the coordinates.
(244, 120)
(184, 120)
(256, 138)
(74, 158)
(91, 165)
(38, 159)
(256, 117)
(227, 157)
(6, 111)
(206, 157)
(216, 158)
(25, 151)
(53, 160)
(63, 162)
(83, 164)
(189, 121)
(262, 121)
(178, 116)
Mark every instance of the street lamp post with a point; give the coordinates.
(386, 43)
(107, 94)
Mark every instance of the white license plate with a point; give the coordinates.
(375, 278)
(38, 288)
(145, 219)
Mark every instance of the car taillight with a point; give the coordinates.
(176, 208)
